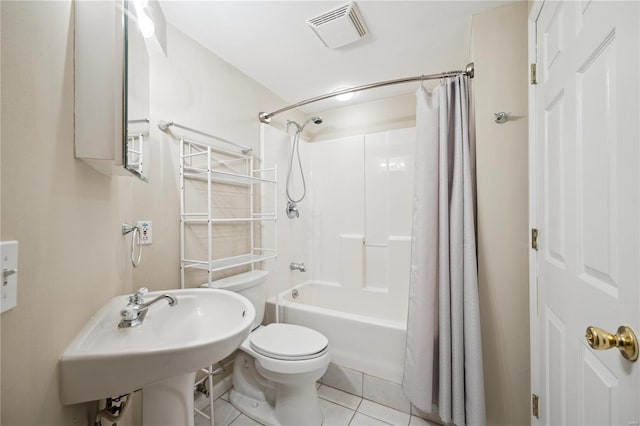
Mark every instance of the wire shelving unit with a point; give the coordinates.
(212, 167)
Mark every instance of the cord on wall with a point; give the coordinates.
(135, 237)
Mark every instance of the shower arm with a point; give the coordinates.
(469, 71)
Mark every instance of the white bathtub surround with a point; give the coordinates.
(444, 315)
(356, 251)
(361, 243)
(360, 191)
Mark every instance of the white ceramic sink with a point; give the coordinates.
(105, 361)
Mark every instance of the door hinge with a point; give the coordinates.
(534, 406)
(534, 74)
(534, 238)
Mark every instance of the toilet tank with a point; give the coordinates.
(251, 285)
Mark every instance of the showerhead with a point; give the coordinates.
(314, 120)
(299, 128)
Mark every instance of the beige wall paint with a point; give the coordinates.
(193, 87)
(49, 199)
(64, 214)
(67, 216)
(0, 199)
(500, 84)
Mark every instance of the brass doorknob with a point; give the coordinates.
(625, 340)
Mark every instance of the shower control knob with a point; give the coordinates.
(292, 210)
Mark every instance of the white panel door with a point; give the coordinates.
(587, 209)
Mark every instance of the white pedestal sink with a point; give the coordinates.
(160, 356)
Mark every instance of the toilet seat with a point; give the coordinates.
(288, 342)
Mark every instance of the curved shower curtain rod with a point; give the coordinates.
(468, 71)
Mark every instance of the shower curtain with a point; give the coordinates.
(443, 358)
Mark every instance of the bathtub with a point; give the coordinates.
(367, 336)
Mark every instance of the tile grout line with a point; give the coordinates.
(236, 417)
(382, 420)
(375, 418)
(363, 398)
(352, 417)
(340, 390)
(341, 405)
(359, 404)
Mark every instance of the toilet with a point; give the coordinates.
(275, 372)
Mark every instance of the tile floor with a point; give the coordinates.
(339, 409)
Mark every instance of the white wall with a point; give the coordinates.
(500, 56)
(361, 193)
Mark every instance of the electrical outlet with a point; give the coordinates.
(145, 231)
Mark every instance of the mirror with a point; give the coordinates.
(137, 26)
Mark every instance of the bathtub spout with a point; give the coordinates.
(297, 267)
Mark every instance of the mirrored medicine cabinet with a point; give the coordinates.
(112, 93)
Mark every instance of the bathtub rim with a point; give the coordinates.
(284, 300)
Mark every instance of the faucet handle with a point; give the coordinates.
(138, 297)
(129, 313)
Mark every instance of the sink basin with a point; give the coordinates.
(104, 361)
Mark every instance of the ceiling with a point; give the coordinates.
(270, 42)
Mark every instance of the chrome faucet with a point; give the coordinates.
(297, 267)
(136, 310)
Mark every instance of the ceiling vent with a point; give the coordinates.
(339, 26)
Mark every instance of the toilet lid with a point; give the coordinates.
(288, 342)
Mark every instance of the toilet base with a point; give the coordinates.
(260, 411)
(272, 403)
(299, 405)
(289, 412)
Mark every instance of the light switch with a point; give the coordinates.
(9, 274)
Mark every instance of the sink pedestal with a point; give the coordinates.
(169, 402)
